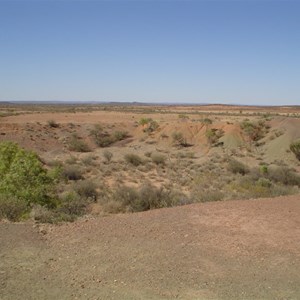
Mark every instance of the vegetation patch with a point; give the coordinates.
(77, 144)
(295, 148)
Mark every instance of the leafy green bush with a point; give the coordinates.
(149, 124)
(23, 176)
(295, 148)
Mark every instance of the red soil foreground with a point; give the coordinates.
(222, 250)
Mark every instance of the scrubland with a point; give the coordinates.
(149, 202)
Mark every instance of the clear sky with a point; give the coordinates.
(245, 52)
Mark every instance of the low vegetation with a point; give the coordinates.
(254, 130)
(133, 159)
(77, 144)
(103, 138)
(295, 148)
(23, 181)
(149, 125)
(67, 183)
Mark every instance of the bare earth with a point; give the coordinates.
(223, 250)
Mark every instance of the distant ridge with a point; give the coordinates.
(128, 103)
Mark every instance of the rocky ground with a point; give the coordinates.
(222, 250)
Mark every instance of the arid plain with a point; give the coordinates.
(156, 202)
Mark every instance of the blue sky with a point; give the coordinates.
(244, 52)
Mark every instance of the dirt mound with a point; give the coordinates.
(223, 250)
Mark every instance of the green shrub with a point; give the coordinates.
(78, 145)
(145, 121)
(254, 130)
(264, 169)
(151, 125)
(264, 182)
(104, 139)
(295, 148)
(133, 159)
(183, 116)
(213, 135)
(206, 121)
(23, 176)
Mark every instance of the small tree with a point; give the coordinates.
(23, 176)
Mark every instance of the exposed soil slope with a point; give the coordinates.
(222, 250)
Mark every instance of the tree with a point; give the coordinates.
(23, 176)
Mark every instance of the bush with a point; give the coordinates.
(52, 123)
(145, 198)
(284, 175)
(44, 215)
(104, 139)
(204, 195)
(23, 177)
(72, 172)
(206, 121)
(295, 148)
(72, 204)
(179, 139)
(78, 145)
(237, 167)
(254, 131)
(213, 135)
(158, 158)
(150, 124)
(133, 159)
(86, 189)
(107, 155)
(120, 135)
(12, 208)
